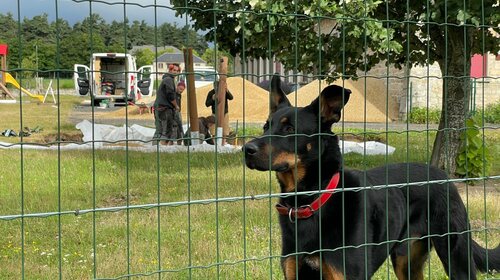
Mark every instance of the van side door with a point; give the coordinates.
(144, 81)
(81, 79)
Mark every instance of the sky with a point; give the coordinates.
(76, 10)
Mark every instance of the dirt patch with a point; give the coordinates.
(73, 137)
(119, 200)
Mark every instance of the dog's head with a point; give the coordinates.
(294, 137)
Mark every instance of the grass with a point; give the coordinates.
(30, 83)
(239, 235)
(490, 114)
(191, 236)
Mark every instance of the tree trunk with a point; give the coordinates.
(455, 67)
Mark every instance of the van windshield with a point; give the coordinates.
(204, 75)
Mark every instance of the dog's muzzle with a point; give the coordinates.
(251, 151)
(257, 157)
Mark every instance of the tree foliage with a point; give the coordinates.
(57, 45)
(364, 33)
(144, 57)
(286, 29)
(210, 56)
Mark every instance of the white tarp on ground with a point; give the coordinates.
(366, 148)
(111, 137)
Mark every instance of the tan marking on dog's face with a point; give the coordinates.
(284, 120)
(291, 177)
(266, 149)
(309, 146)
(286, 158)
(290, 267)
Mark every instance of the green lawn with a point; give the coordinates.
(203, 229)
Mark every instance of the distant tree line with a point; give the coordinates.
(37, 44)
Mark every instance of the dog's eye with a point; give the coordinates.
(289, 129)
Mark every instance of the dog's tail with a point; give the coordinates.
(493, 257)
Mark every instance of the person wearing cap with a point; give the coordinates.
(166, 106)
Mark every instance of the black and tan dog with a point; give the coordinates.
(349, 233)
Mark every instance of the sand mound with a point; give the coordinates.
(250, 103)
(374, 97)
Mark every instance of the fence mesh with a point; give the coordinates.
(79, 206)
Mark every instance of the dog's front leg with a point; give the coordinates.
(331, 273)
(290, 266)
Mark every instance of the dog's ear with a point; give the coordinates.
(330, 103)
(277, 97)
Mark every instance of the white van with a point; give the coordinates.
(203, 75)
(113, 76)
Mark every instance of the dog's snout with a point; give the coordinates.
(250, 149)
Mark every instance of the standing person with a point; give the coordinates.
(211, 101)
(181, 86)
(165, 107)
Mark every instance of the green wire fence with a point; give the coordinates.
(116, 211)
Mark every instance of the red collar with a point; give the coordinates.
(306, 211)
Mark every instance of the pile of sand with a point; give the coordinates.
(373, 98)
(251, 103)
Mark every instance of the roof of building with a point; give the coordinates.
(177, 58)
(156, 49)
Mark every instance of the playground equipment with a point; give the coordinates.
(10, 80)
(6, 78)
(3, 67)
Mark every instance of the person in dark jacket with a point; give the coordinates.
(205, 125)
(211, 101)
(165, 107)
(181, 86)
